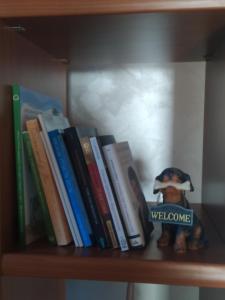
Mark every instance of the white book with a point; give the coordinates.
(109, 195)
(50, 121)
(130, 197)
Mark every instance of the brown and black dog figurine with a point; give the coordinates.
(173, 183)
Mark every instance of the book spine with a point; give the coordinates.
(71, 186)
(78, 162)
(98, 190)
(59, 222)
(109, 194)
(37, 182)
(60, 185)
(19, 163)
(134, 236)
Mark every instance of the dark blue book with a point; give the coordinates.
(72, 188)
(72, 143)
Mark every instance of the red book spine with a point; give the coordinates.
(98, 191)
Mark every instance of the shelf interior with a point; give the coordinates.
(102, 40)
(205, 267)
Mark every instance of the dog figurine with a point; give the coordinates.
(173, 183)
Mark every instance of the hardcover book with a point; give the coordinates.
(42, 201)
(51, 120)
(98, 191)
(99, 158)
(129, 194)
(80, 168)
(26, 105)
(59, 221)
(71, 187)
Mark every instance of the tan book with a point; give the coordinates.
(59, 222)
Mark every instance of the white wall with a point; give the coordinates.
(158, 108)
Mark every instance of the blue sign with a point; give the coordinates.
(171, 214)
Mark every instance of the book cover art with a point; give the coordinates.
(26, 105)
(129, 193)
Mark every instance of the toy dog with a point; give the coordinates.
(173, 183)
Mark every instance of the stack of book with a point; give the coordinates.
(73, 185)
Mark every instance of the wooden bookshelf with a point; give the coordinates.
(23, 60)
(80, 7)
(205, 268)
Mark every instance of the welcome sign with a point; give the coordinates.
(172, 214)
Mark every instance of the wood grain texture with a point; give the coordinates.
(23, 63)
(151, 265)
(14, 8)
(213, 185)
(111, 40)
(22, 288)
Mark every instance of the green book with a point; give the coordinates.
(27, 104)
(19, 164)
(38, 185)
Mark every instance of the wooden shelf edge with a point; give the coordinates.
(25, 8)
(88, 268)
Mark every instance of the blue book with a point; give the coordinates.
(71, 187)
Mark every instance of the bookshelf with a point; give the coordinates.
(194, 31)
(204, 268)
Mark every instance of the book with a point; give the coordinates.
(84, 131)
(59, 221)
(49, 121)
(98, 191)
(41, 197)
(80, 168)
(26, 105)
(72, 188)
(99, 158)
(129, 194)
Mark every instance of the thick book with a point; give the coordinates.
(51, 120)
(129, 194)
(72, 187)
(98, 191)
(99, 158)
(26, 105)
(59, 221)
(80, 168)
(42, 201)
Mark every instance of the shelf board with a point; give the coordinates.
(134, 38)
(151, 265)
(15, 8)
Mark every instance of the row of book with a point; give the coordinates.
(72, 184)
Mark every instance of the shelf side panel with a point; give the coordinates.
(213, 187)
(23, 63)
